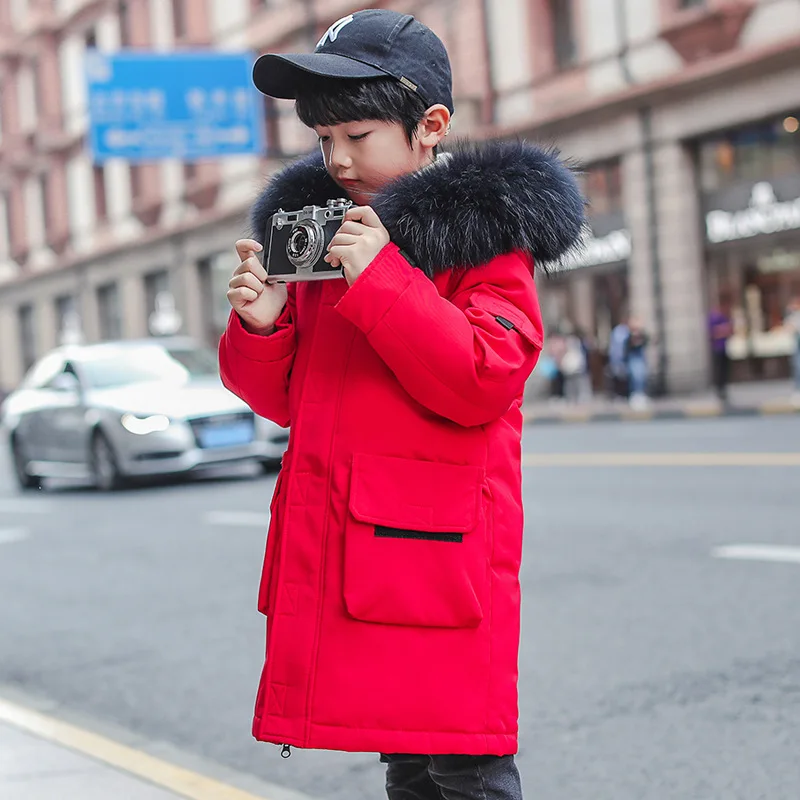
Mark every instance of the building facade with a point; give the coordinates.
(682, 114)
(103, 243)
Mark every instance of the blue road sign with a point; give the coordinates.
(147, 106)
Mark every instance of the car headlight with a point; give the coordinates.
(144, 424)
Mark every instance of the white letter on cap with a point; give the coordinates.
(332, 33)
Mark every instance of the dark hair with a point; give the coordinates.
(331, 101)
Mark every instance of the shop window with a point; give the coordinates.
(759, 152)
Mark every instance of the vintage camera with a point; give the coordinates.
(298, 242)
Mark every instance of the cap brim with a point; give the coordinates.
(281, 75)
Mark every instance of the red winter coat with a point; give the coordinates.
(390, 582)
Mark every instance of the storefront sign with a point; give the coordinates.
(609, 249)
(765, 215)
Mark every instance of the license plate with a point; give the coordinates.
(227, 435)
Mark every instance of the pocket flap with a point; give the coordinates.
(415, 495)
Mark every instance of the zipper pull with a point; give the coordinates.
(286, 750)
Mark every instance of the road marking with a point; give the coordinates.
(168, 776)
(10, 535)
(10, 505)
(237, 519)
(661, 460)
(758, 552)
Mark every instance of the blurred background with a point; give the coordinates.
(682, 115)
(659, 654)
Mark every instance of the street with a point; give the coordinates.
(653, 663)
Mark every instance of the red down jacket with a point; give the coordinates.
(390, 582)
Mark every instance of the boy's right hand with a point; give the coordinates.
(258, 303)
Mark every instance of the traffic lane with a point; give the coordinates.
(650, 665)
(195, 687)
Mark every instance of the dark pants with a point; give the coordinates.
(721, 366)
(410, 777)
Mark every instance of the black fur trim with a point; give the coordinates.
(482, 200)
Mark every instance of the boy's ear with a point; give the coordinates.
(434, 126)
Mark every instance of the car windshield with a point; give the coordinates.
(126, 365)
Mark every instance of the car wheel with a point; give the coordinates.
(25, 480)
(105, 470)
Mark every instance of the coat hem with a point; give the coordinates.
(361, 740)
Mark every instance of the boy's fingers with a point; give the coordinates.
(246, 248)
(240, 296)
(247, 279)
(343, 239)
(254, 266)
(352, 227)
(364, 214)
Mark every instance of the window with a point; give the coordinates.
(760, 152)
(90, 39)
(691, 3)
(154, 284)
(100, 198)
(8, 216)
(26, 321)
(564, 47)
(44, 185)
(602, 185)
(125, 33)
(109, 311)
(179, 18)
(67, 319)
(44, 371)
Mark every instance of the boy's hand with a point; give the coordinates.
(355, 245)
(258, 303)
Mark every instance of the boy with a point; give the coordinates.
(390, 581)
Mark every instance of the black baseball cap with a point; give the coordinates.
(374, 43)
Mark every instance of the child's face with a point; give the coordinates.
(364, 156)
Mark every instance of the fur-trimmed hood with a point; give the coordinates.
(482, 200)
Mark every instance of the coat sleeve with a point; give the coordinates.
(257, 368)
(465, 357)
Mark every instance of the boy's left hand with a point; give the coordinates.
(358, 241)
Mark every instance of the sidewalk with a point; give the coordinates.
(745, 399)
(34, 769)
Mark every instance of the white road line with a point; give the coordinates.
(10, 535)
(758, 552)
(237, 519)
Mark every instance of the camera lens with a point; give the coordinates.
(305, 244)
(298, 242)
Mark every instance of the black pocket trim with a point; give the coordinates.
(399, 533)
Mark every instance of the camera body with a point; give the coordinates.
(298, 242)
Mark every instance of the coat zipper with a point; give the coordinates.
(286, 750)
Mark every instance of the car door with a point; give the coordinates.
(36, 398)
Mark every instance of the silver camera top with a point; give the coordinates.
(334, 209)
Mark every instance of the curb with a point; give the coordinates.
(651, 415)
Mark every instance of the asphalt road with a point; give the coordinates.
(650, 667)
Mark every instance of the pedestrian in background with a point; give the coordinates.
(793, 323)
(720, 330)
(636, 362)
(391, 576)
(617, 362)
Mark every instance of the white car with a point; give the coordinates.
(127, 409)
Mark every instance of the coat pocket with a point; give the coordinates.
(416, 550)
(266, 588)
